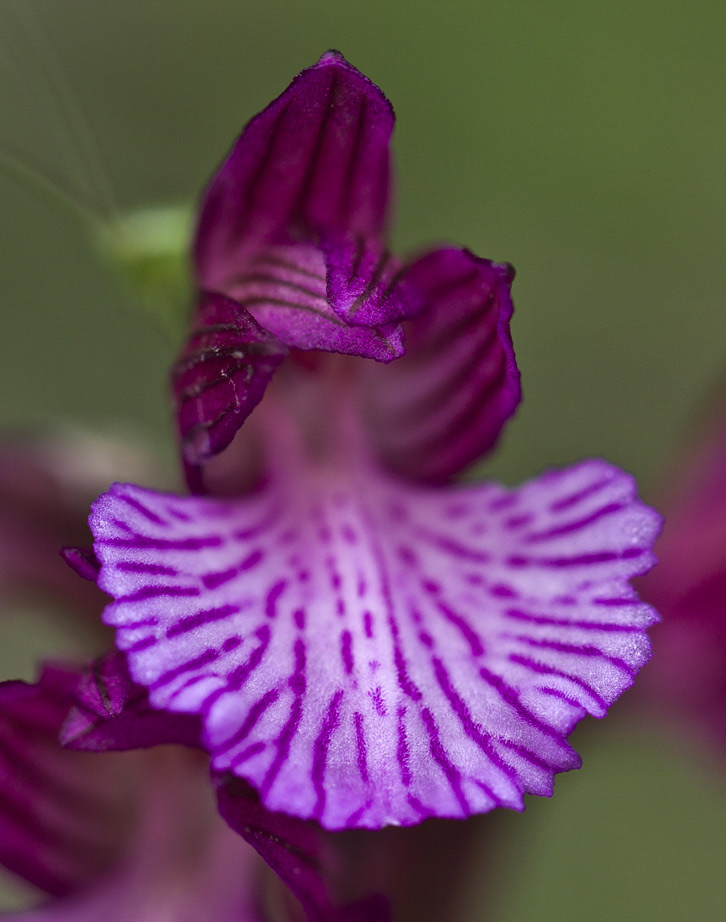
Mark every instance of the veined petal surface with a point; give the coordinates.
(366, 284)
(285, 290)
(443, 405)
(366, 652)
(317, 158)
(220, 376)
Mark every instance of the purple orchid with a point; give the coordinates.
(363, 641)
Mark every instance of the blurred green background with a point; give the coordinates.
(585, 143)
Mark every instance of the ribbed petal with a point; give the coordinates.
(316, 158)
(366, 284)
(364, 652)
(284, 288)
(63, 817)
(111, 712)
(443, 405)
(221, 376)
(299, 852)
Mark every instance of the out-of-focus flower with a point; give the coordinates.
(687, 678)
(363, 642)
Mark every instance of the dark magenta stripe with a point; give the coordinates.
(569, 527)
(158, 592)
(141, 509)
(531, 618)
(141, 542)
(360, 739)
(585, 650)
(272, 596)
(208, 616)
(256, 711)
(143, 566)
(321, 747)
(438, 752)
(403, 752)
(577, 497)
(471, 728)
(511, 697)
(543, 669)
(470, 635)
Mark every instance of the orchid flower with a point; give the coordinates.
(364, 641)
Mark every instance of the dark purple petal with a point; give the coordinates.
(220, 376)
(284, 288)
(63, 817)
(317, 158)
(366, 284)
(365, 652)
(443, 405)
(301, 853)
(113, 713)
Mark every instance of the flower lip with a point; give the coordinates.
(448, 639)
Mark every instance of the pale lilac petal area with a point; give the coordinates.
(366, 652)
(110, 712)
(301, 853)
(61, 821)
(220, 376)
(317, 158)
(366, 284)
(443, 405)
(284, 288)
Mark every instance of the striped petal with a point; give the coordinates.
(285, 290)
(317, 158)
(366, 652)
(61, 822)
(443, 405)
(366, 284)
(221, 376)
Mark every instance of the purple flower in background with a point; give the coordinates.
(687, 679)
(363, 641)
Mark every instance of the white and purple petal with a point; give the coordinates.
(366, 652)
(317, 158)
(443, 405)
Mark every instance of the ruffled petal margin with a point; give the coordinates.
(443, 405)
(369, 653)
